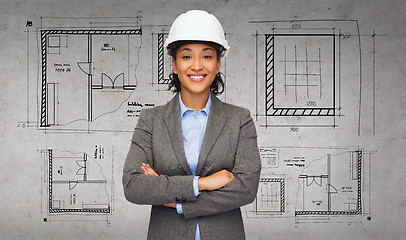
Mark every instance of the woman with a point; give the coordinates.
(195, 159)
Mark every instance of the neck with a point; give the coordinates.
(195, 101)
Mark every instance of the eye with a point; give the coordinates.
(207, 56)
(186, 57)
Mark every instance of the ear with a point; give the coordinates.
(218, 65)
(174, 67)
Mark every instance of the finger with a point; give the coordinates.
(144, 169)
(148, 170)
(151, 170)
(154, 173)
(147, 166)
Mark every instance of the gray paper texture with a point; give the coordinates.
(323, 80)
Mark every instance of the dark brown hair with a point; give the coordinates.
(217, 86)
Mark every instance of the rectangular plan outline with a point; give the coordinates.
(281, 209)
(46, 35)
(271, 108)
(329, 211)
(52, 183)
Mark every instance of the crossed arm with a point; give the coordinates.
(215, 181)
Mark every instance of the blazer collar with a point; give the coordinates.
(173, 124)
(215, 123)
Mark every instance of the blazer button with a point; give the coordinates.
(183, 200)
(177, 199)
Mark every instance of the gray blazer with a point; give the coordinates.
(230, 142)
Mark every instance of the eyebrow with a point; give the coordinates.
(185, 49)
(188, 49)
(205, 49)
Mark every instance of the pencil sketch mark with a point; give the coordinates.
(269, 157)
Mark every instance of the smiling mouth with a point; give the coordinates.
(197, 78)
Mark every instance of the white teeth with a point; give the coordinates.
(196, 77)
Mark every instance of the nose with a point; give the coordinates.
(197, 64)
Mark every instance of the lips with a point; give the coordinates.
(196, 78)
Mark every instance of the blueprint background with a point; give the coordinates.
(20, 165)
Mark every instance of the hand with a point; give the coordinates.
(148, 170)
(216, 180)
(171, 205)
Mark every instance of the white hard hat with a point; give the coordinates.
(197, 25)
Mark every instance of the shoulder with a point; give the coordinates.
(150, 117)
(237, 116)
(162, 110)
(232, 111)
(154, 111)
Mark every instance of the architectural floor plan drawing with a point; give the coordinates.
(327, 184)
(80, 67)
(77, 185)
(270, 199)
(331, 186)
(301, 70)
(305, 73)
(88, 73)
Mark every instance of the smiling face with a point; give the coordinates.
(196, 65)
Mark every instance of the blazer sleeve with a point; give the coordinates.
(243, 188)
(153, 190)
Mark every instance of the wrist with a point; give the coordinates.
(201, 184)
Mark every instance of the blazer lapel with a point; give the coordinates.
(173, 124)
(215, 124)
